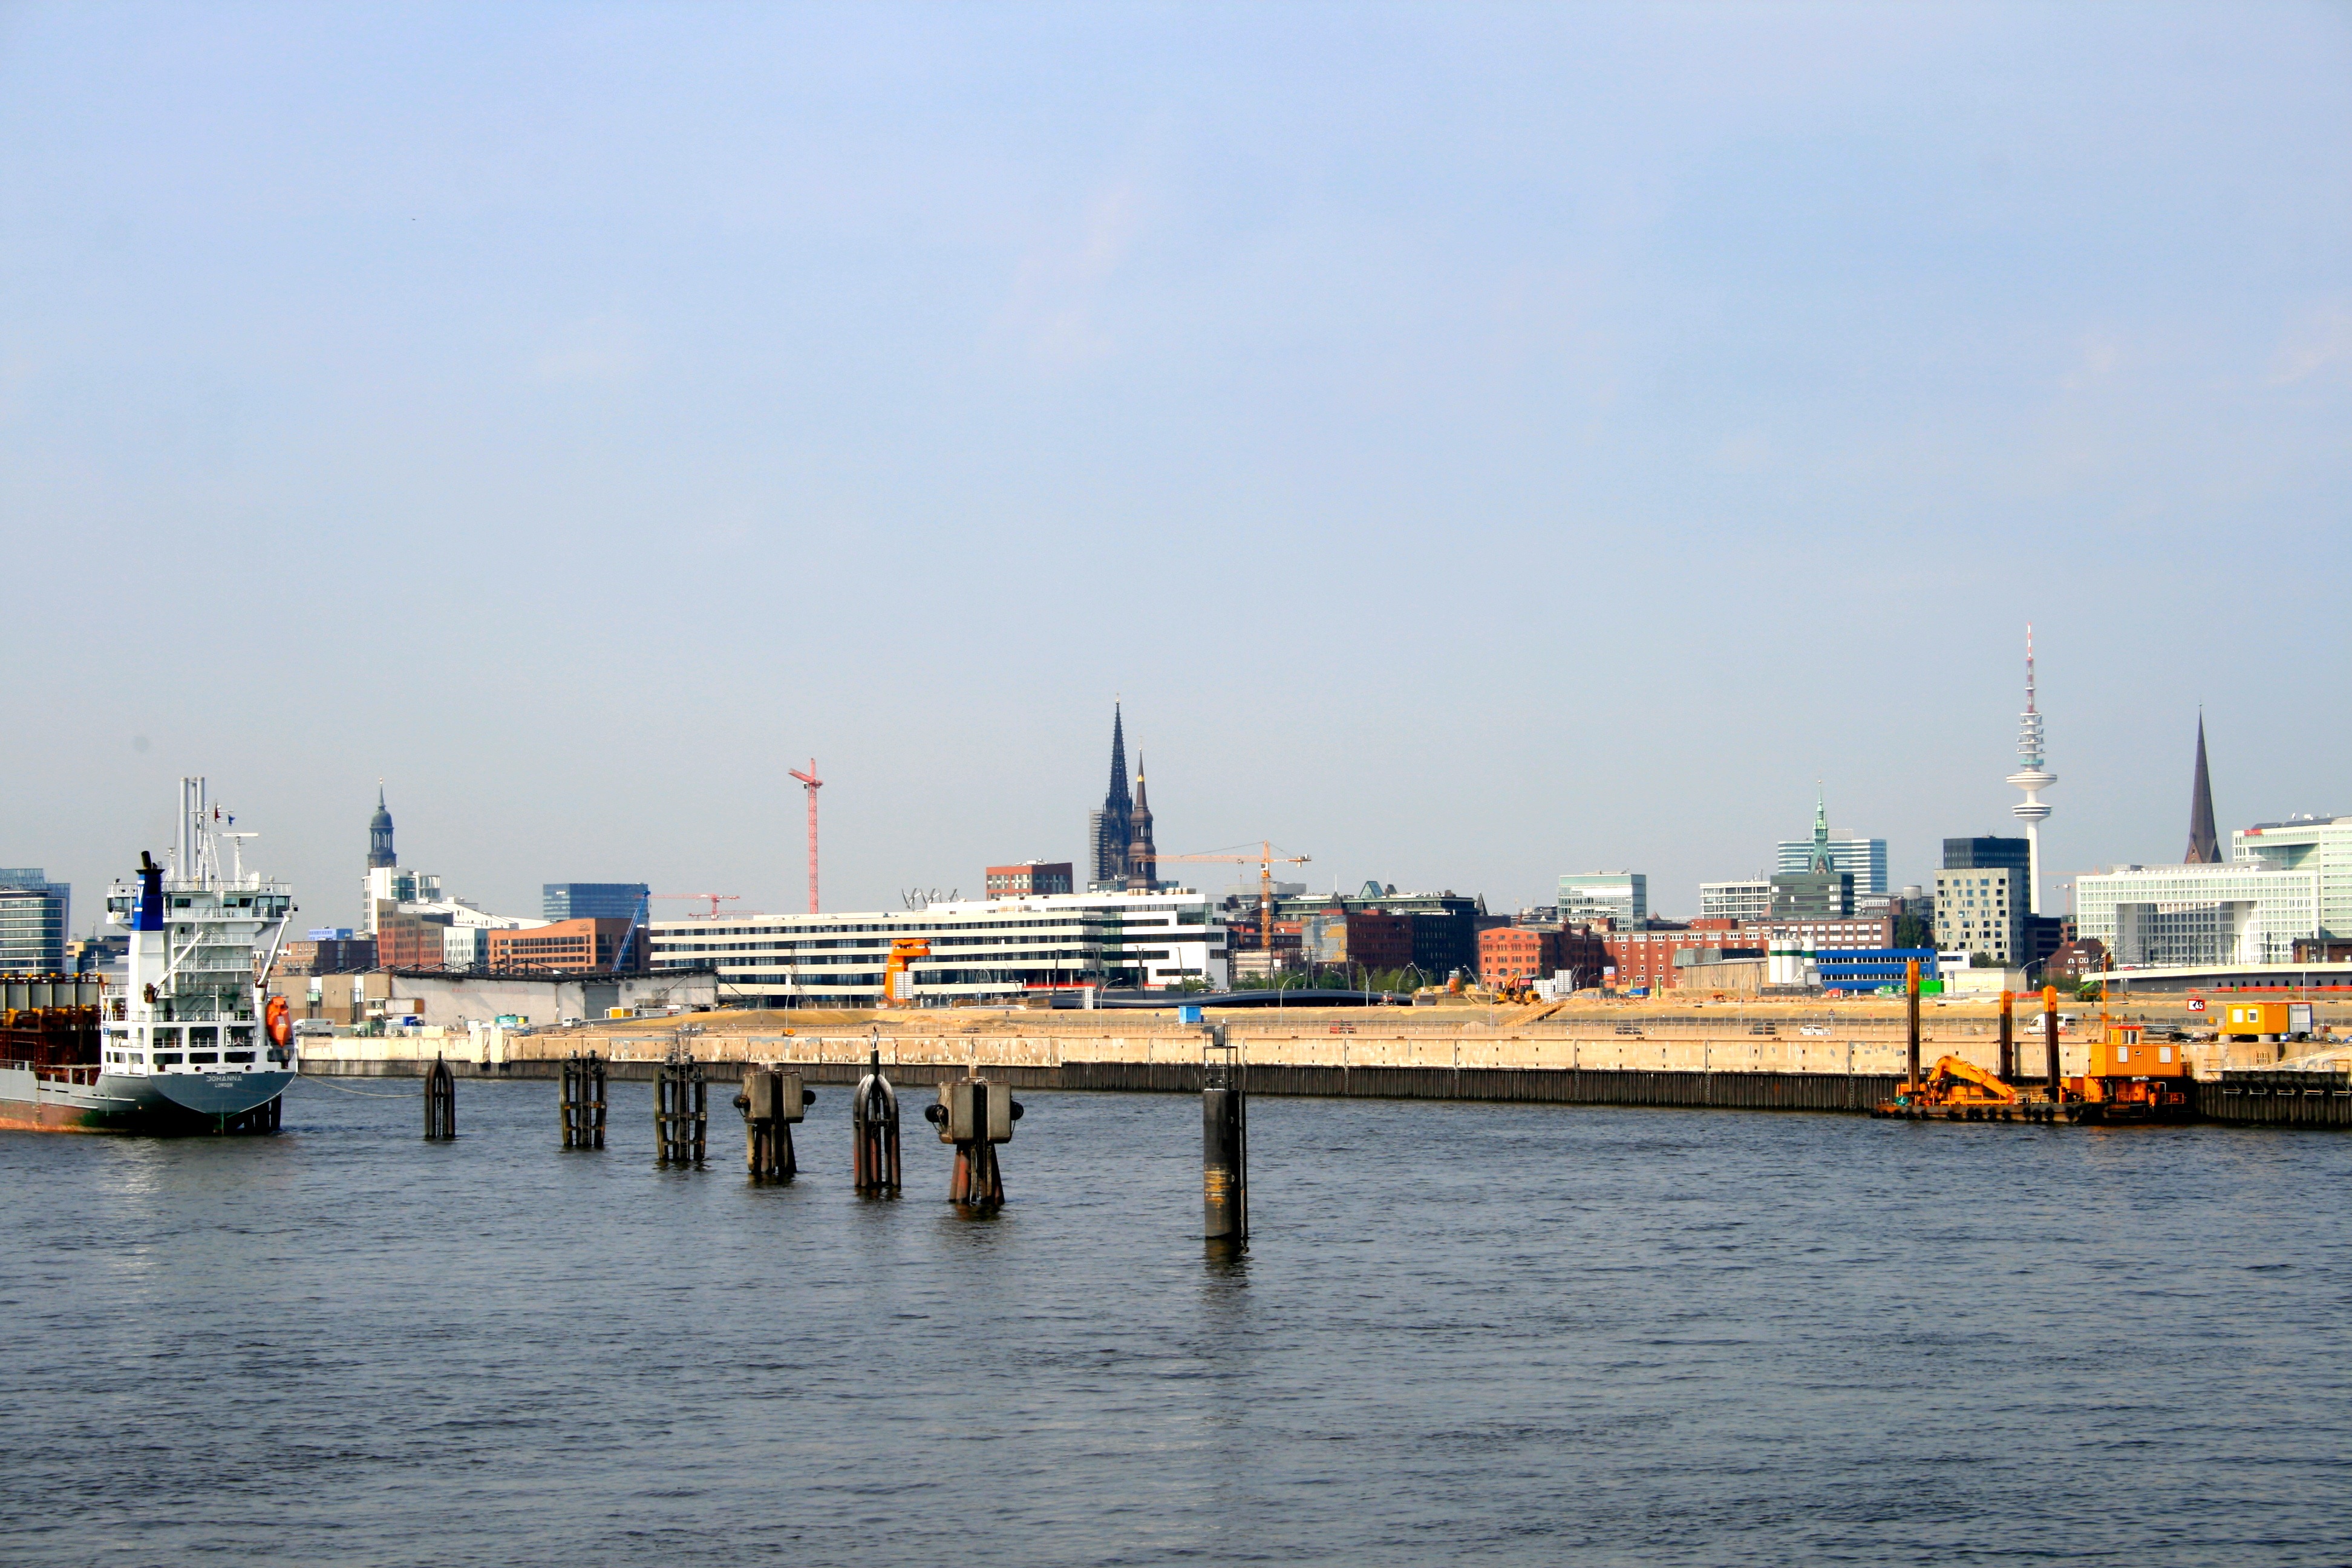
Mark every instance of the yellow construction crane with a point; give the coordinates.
(1266, 860)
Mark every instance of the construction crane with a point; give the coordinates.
(813, 783)
(716, 900)
(1266, 860)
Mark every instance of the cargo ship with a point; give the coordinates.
(188, 1039)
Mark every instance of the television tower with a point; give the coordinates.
(2032, 778)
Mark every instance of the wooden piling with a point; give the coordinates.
(581, 1108)
(772, 1099)
(440, 1102)
(681, 1110)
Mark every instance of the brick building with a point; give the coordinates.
(1356, 937)
(407, 941)
(1516, 955)
(567, 945)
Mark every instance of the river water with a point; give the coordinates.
(1462, 1333)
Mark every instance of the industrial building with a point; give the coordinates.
(980, 950)
(35, 914)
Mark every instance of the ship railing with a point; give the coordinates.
(85, 1073)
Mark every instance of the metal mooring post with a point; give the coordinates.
(1224, 1139)
(1911, 990)
(976, 1115)
(772, 1099)
(582, 1106)
(2008, 1039)
(2050, 1039)
(874, 1128)
(440, 1101)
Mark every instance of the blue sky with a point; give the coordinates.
(1477, 443)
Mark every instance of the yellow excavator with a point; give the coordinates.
(1955, 1089)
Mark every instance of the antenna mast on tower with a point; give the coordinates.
(813, 784)
(2032, 778)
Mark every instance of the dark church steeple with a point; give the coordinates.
(2204, 845)
(1142, 857)
(380, 834)
(1110, 832)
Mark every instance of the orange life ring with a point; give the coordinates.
(279, 1019)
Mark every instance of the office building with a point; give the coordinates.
(1446, 925)
(1988, 854)
(2320, 845)
(1746, 900)
(1863, 859)
(1622, 898)
(1982, 910)
(981, 949)
(1029, 880)
(591, 900)
(2163, 917)
(35, 916)
(1815, 888)
(574, 946)
(1357, 939)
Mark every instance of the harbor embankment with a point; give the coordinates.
(1835, 1065)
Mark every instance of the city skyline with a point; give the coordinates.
(753, 348)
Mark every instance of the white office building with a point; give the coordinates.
(2321, 844)
(1596, 896)
(1864, 858)
(1750, 900)
(2164, 917)
(980, 950)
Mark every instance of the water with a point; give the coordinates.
(1467, 1333)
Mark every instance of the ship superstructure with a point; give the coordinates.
(188, 1042)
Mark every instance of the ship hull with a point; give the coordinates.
(167, 1104)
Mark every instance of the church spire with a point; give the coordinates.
(2204, 845)
(1118, 798)
(380, 834)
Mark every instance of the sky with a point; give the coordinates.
(1474, 443)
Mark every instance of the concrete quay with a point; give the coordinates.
(1833, 1063)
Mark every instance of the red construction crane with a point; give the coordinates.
(814, 783)
(716, 900)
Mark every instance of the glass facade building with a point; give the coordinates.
(35, 916)
(2165, 917)
(591, 901)
(1863, 858)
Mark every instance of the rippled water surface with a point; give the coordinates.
(1462, 1332)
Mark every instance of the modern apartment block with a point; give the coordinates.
(2320, 845)
(2163, 917)
(1983, 909)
